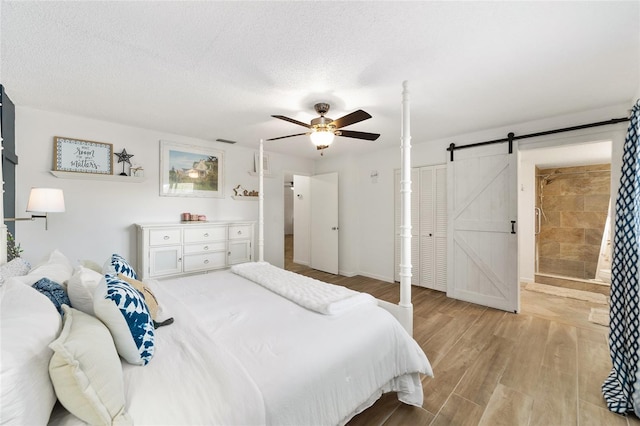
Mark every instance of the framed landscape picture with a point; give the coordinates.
(191, 171)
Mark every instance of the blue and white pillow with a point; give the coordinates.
(117, 264)
(54, 291)
(123, 310)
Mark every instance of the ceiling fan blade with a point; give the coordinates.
(288, 136)
(359, 135)
(291, 120)
(354, 117)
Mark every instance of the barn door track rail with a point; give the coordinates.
(512, 137)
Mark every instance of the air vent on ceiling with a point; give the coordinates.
(225, 140)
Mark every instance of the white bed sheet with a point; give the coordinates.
(311, 369)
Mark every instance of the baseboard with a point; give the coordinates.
(526, 280)
(300, 262)
(347, 274)
(377, 277)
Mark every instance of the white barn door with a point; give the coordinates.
(482, 241)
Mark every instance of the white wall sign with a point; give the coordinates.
(75, 155)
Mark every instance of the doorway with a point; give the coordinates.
(314, 239)
(563, 206)
(288, 221)
(572, 210)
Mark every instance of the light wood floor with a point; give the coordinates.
(543, 366)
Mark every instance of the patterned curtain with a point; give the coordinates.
(622, 388)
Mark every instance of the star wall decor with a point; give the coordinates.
(123, 158)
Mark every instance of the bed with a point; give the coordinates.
(242, 350)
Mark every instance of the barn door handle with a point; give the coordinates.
(513, 226)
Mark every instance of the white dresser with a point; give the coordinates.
(170, 249)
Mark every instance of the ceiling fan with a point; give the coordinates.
(323, 129)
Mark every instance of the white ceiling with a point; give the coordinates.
(220, 69)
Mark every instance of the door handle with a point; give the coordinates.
(335, 228)
(513, 226)
(537, 231)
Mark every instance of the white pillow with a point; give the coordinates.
(56, 267)
(80, 288)
(28, 323)
(90, 264)
(86, 372)
(15, 268)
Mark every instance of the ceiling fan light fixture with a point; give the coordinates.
(321, 137)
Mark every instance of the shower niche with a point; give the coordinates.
(572, 229)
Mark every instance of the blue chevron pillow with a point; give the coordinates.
(117, 264)
(123, 310)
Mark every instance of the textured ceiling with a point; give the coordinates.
(220, 69)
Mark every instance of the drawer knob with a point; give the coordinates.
(166, 237)
(206, 247)
(239, 232)
(206, 261)
(206, 234)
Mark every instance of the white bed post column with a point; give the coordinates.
(261, 203)
(406, 308)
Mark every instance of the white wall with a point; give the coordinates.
(370, 253)
(100, 215)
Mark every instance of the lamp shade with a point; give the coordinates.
(321, 137)
(46, 200)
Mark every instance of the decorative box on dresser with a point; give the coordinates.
(170, 249)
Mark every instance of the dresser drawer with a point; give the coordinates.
(161, 237)
(198, 262)
(203, 235)
(205, 247)
(237, 232)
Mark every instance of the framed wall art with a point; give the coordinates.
(265, 163)
(191, 171)
(76, 155)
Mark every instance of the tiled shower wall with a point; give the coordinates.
(575, 202)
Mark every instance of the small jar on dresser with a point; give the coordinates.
(172, 249)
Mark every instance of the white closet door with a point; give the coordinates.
(427, 252)
(433, 227)
(440, 228)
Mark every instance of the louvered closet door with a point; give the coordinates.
(433, 227)
(415, 226)
(427, 202)
(440, 228)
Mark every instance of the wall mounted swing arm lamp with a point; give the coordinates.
(42, 200)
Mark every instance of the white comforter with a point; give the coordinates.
(238, 354)
(311, 369)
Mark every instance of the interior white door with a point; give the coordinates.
(324, 222)
(482, 208)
